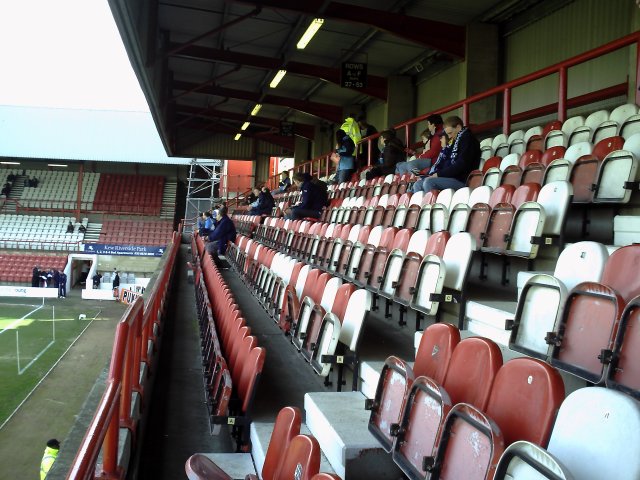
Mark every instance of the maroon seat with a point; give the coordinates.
(435, 350)
(624, 371)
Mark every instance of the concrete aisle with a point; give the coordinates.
(178, 419)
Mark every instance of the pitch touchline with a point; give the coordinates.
(17, 322)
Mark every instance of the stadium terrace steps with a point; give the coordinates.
(168, 209)
(339, 422)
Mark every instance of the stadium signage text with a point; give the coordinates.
(128, 296)
(131, 250)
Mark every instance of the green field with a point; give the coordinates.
(32, 339)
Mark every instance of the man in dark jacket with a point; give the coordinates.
(314, 198)
(224, 232)
(392, 154)
(452, 170)
(264, 204)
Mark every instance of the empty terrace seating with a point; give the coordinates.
(17, 268)
(59, 190)
(129, 194)
(232, 361)
(39, 232)
(136, 232)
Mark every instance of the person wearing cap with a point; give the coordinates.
(49, 457)
(455, 162)
(431, 140)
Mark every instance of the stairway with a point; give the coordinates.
(92, 235)
(168, 209)
(14, 194)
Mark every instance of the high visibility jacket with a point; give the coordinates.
(351, 128)
(50, 455)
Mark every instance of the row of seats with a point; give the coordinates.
(39, 232)
(59, 190)
(136, 232)
(323, 316)
(606, 173)
(623, 121)
(289, 455)
(459, 412)
(15, 268)
(232, 360)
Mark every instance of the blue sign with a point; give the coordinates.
(131, 250)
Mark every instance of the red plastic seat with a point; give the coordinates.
(435, 350)
(624, 371)
(301, 459)
(552, 154)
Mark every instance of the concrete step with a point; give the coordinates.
(339, 421)
(488, 319)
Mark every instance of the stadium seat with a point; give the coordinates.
(623, 373)
(434, 351)
(526, 460)
(588, 420)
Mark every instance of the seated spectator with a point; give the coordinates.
(314, 197)
(207, 224)
(82, 229)
(265, 203)
(285, 182)
(366, 130)
(431, 140)
(392, 154)
(345, 149)
(224, 232)
(252, 197)
(70, 227)
(11, 177)
(455, 162)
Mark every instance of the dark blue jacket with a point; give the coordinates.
(313, 197)
(224, 232)
(265, 204)
(461, 160)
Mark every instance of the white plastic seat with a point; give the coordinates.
(584, 133)
(527, 461)
(516, 142)
(616, 170)
(393, 267)
(500, 145)
(526, 225)
(508, 161)
(416, 198)
(630, 126)
(460, 196)
(491, 178)
(611, 127)
(444, 197)
(555, 198)
(485, 148)
(595, 430)
(448, 272)
(558, 170)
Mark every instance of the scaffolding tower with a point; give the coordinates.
(204, 180)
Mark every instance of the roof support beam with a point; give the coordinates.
(301, 129)
(445, 37)
(376, 86)
(332, 113)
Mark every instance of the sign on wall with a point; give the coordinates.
(353, 75)
(131, 250)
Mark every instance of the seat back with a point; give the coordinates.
(201, 467)
(301, 459)
(581, 262)
(624, 371)
(594, 420)
(583, 176)
(552, 154)
(616, 169)
(539, 309)
(555, 198)
(621, 272)
(588, 326)
(425, 410)
(286, 427)
(527, 224)
(393, 387)
(472, 369)
(529, 386)
(470, 445)
(434, 352)
(527, 461)
(353, 319)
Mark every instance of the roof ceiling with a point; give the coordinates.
(218, 58)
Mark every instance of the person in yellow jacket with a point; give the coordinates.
(50, 455)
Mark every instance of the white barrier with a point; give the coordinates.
(97, 294)
(28, 292)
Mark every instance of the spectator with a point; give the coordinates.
(285, 182)
(35, 277)
(264, 204)
(224, 232)
(49, 457)
(392, 154)
(116, 283)
(11, 177)
(62, 285)
(82, 229)
(96, 280)
(431, 140)
(205, 224)
(56, 277)
(352, 130)
(346, 162)
(454, 163)
(314, 197)
(366, 130)
(252, 197)
(70, 227)
(50, 283)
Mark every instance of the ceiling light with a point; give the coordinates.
(237, 137)
(314, 26)
(244, 126)
(10, 163)
(276, 80)
(56, 165)
(256, 109)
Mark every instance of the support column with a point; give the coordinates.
(482, 68)
(401, 101)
